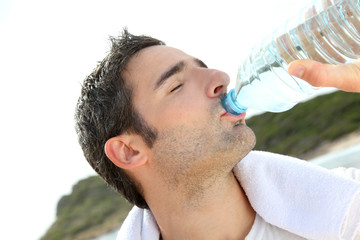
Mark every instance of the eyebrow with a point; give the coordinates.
(201, 63)
(178, 67)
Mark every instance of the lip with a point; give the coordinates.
(232, 118)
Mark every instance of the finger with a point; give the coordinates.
(345, 77)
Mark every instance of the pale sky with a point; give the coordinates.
(48, 47)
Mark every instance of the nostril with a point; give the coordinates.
(217, 90)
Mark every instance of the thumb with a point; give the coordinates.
(345, 77)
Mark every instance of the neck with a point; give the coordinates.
(221, 211)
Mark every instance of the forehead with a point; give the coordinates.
(149, 63)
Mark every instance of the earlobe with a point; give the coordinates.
(124, 153)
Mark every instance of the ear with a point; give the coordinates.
(126, 151)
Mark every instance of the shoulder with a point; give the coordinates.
(255, 154)
(352, 173)
(138, 223)
(264, 230)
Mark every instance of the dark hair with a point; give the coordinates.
(105, 110)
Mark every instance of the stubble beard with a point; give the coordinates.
(191, 160)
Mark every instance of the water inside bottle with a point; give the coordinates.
(330, 36)
(275, 93)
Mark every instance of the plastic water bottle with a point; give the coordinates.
(327, 31)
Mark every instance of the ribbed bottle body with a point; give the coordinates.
(327, 31)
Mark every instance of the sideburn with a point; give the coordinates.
(142, 128)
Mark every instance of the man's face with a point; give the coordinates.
(177, 95)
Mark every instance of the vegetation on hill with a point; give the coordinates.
(92, 208)
(308, 124)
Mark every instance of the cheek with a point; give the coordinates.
(184, 110)
(183, 107)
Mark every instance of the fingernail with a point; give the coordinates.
(297, 71)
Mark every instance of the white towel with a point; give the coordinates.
(139, 225)
(289, 193)
(300, 197)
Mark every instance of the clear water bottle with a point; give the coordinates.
(327, 31)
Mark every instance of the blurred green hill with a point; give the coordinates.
(93, 208)
(309, 124)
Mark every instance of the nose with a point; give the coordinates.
(217, 84)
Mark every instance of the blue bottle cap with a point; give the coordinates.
(230, 105)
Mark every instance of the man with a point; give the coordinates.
(150, 122)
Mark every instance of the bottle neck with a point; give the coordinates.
(230, 105)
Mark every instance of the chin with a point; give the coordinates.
(246, 141)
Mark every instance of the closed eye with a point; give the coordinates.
(175, 88)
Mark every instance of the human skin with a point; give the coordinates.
(186, 177)
(345, 77)
(188, 171)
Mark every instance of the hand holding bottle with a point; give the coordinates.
(326, 31)
(345, 77)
